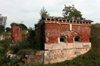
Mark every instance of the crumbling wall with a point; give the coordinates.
(16, 33)
(84, 32)
(60, 52)
(31, 56)
(54, 56)
(53, 31)
(57, 49)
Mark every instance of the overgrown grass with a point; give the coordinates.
(4, 44)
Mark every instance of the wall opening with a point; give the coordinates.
(63, 39)
(77, 39)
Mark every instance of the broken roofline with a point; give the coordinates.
(66, 19)
(14, 24)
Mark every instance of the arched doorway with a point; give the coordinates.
(77, 39)
(62, 39)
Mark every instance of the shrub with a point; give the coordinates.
(32, 42)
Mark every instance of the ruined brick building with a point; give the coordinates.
(67, 30)
(16, 33)
(64, 38)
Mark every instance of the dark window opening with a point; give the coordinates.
(77, 39)
(62, 39)
(64, 21)
(52, 19)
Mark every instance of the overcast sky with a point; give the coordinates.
(29, 10)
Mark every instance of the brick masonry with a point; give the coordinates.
(58, 51)
(54, 49)
(16, 33)
(53, 31)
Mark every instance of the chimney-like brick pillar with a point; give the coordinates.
(16, 33)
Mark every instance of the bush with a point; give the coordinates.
(2, 28)
(5, 44)
(32, 42)
(8, 29)
(24, 27)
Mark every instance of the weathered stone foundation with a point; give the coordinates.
(54, 53)
(61, 52)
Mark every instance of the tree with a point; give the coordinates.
(2, 28)
(24, 27)
(71, 11)
(43, 13)
(8, 29)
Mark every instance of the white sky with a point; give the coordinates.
(29, 10)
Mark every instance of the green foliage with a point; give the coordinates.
(5, 61)
(24, 32)
(24, 27)
(43, 12)
(71, 11)
(40, 22)
(2, 52)
(8, 29)
(2, 28)
(32, 42)
(5, 45)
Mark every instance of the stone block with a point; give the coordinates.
(62, 46)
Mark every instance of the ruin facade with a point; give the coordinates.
(65, 39)
(16, 33)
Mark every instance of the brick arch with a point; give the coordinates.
(64, 38)
(70, 35)
(77, 38)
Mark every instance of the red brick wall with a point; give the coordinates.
(83, 31)
(16, 34)
(53, 31)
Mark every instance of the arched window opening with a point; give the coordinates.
(62, 39)
(77, 39)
